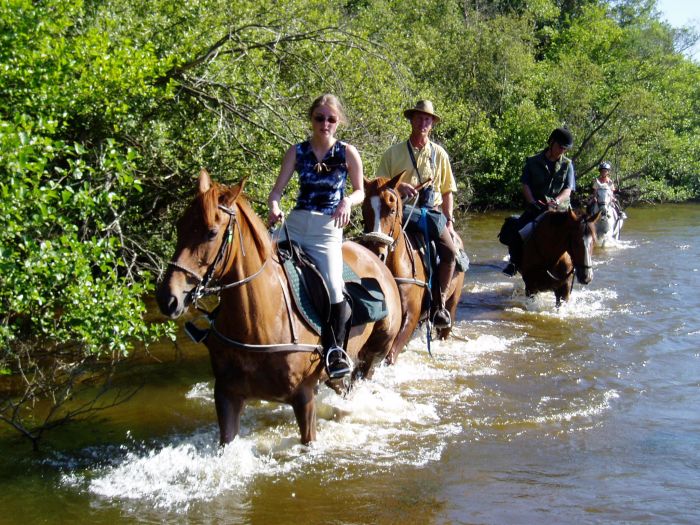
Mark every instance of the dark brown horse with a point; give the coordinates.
(382, 213)
(260, 347)
(560, 246)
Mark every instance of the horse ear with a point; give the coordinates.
(366, 181)
(395, 181)
(236, 191)
(204, 181)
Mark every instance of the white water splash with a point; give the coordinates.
(403, 416)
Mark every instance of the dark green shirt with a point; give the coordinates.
(545, 179)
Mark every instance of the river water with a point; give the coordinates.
(586, 414)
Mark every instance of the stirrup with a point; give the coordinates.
(340, 365)
(441, 318)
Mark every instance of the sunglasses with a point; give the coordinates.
(322, 118)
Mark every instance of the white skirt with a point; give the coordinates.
(317, 234)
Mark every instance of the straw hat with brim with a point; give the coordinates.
(422, 106)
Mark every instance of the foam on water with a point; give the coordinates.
(390, 420)
(405, 415)
(583, 303)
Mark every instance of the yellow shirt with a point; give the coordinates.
(396, 159)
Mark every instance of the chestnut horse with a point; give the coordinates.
(382, 213)
(559, 246)
(259, 345)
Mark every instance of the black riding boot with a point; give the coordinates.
(515, 250)
(337, 361)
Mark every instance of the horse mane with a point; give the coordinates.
(219, 194)
(259, 233)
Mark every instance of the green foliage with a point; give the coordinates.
(62, 274)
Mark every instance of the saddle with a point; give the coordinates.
(310, 294)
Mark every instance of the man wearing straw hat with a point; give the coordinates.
(426, 165)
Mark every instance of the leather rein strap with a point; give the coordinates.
(203, 289)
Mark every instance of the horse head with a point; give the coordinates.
(582, 238)
(382, 215)
(206, 245)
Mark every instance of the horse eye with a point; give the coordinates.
(211, 234)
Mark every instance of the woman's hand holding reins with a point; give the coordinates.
(276, 215)
(342, 213)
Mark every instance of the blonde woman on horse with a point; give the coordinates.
(323, 164)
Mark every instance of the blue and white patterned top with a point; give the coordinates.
(321, 184)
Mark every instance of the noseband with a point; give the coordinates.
(580, 267)
(202, 288)
(576, 267)
(386, 239)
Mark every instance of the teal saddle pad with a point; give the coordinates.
(363, 293)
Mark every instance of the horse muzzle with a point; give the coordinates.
(171, 301)
(379, 243)
(584, 274)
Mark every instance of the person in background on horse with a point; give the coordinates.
(548, 179)
(425, 162)
(603, 179)
(321, 212)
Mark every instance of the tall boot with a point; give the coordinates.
(442, 318)
(336, 360)
(515, 249)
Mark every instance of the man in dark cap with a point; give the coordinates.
(547, 182)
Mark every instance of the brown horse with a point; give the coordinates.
(560, 246)
(260, 348)
(382, 212)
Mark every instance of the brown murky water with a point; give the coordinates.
(587, 414)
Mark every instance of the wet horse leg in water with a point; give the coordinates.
(228, 412)
(305, 412)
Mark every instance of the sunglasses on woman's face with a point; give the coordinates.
(323, 118)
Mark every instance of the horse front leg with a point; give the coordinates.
(563, 293)
(408, 326)
(228, 412)
(305, 412)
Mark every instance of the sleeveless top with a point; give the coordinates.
(597, 185)
(321, 184)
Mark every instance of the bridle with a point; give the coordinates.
(583, 224)
(203, 287)
(389, 239)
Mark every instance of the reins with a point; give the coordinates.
(582, 224)
(203, 289)
(222, 256)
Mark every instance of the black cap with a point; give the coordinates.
(563, 137)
